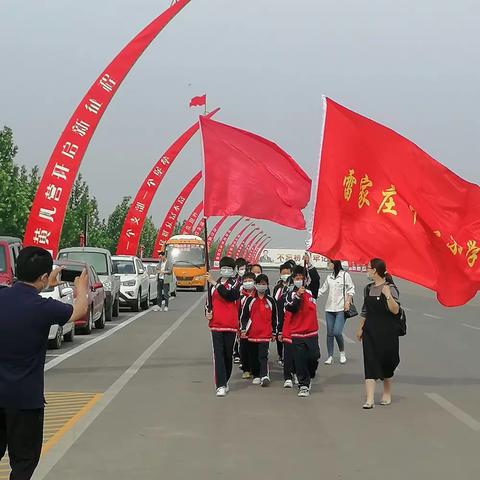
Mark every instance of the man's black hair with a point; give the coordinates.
(299, 270)
(227, 262)
(291, 263)
(256, 265)
(32, 263)
(261, 278)
(241, 262)
(286, 266)
(249, 275)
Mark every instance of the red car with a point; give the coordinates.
(9, 249)
(96, 295)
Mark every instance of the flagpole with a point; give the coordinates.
(207, 266)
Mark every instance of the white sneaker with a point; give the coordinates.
(156, 308)
(343, 358)
(257, 381)
(288, 384)
(227, 388)
(295, 379)
(304, 392)
(329, 361)
(265, 381)
(165, 309)
(221, 391)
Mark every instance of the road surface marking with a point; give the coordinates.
(347, 339)
(63, 411)
(470, 326)
(432, 316)
(458, 413)
(61, 358)
(72, 435)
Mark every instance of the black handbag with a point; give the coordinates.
(401, 322)
(352, 311)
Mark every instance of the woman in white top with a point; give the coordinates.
(341, 290)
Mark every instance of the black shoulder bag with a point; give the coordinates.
(352, 311)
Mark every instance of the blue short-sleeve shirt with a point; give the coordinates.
(25, 321)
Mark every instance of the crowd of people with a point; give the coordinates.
(245, 316)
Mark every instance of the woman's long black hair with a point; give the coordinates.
(337, 267)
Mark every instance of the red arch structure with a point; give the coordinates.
(249, 245)
(166, 230)
(137, 213)
(200, 227)
(187, 228)
(44, 226)
(241, 248)
(214, 231)
(223, 242)
(257, 243)
(233, 245)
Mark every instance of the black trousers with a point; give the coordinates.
(288, 361)
(223, 356)
(306, 353)
(280, 349)
(258, 359)
(21, 432)
(163, 292)
(245, 355)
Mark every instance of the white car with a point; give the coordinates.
(134, 282)
(57, 334)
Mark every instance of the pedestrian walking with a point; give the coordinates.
(259, 325)
(165, 280)
(25, 321)
(378, 332)
(247, 291)
(279, 293)
(340, 288)
(223, 322)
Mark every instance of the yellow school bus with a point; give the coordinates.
(186, 256)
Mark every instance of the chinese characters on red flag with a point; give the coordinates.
(379, 195)
(44, 226)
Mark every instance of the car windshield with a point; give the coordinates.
(3, 260)
(185, 254)
(123, 267)
(97, 260)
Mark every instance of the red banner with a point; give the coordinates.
(260, 248)
(137, 213)
(200, 228)
(241, 248)
(249, 245)
(47, 214)
(166, 230)
(257, 244)
(187, 228)
(223, 243)
(380, 195)
(214, 231)
(233, 245)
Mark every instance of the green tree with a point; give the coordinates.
(114, 224)
(148, 236)
(178, 227)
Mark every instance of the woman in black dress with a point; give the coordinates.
(378, 332)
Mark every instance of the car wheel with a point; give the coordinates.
(116, 306)
(87, 329)
(138, 302)
(70, 335)
(100, 323)
(109, 311)
(56, 343)
(146, 302)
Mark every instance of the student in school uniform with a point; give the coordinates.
(223, 322)
(241, 268)
(247, 290)
(279, 292)
(301, 303)
(259, 323)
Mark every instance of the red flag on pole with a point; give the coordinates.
(245, 174)
(379, 195)
(199, 101)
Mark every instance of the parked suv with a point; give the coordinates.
(135, 282)
(9, 250)
(101, 260)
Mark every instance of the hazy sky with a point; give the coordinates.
(412, 65)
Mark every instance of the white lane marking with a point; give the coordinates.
(432, 316)
(458, 413)
(347, 339)
(70, 437)
(53, 354)
(61, 358)
(470, 326)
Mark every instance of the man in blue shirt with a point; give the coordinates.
(25, 320)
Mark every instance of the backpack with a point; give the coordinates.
(400, 318)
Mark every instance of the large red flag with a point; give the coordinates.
(245, 174)
(379, 195)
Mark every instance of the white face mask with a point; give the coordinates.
(261, 288)
(298, 283)
(226, 272)
(248, 285)
(285, 277)
(241, 271)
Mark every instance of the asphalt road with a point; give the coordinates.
(158, 416)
